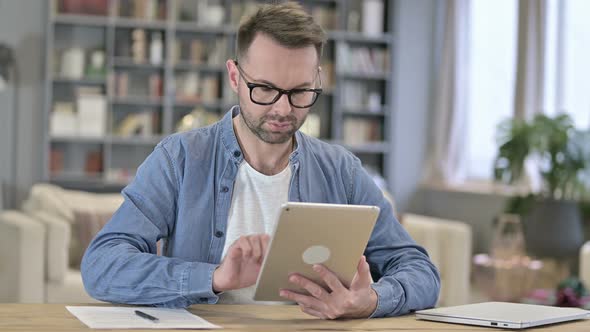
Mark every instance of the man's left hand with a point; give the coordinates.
(358, 301)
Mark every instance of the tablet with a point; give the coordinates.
(312, 233)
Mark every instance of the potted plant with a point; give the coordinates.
(560, 155)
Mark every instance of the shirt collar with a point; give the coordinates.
(230, 141)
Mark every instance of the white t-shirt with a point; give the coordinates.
(255, 208)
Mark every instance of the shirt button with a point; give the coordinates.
(224, 189)
(218, 233)
(237, 154)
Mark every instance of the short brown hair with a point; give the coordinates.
(287, 23)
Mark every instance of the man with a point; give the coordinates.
(213, 194)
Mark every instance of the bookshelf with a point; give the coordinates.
(123, 74)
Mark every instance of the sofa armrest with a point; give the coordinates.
(448, 243)
(585, 264)
(22, 259)
(58, 244)
(457, 243)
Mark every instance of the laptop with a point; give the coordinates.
(503, 314)
(334, 235)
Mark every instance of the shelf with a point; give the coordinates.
(371, 147)
(81, 20)
(187, 65)
(204, 29)
(207, 105)
(107, 32)
(137, 101)
(77, 139)
(92, 183)
(68, 178)
(134, 140)
(129, 63)
(82, 81)
(123, 22)
(377, 76)
(359, 37)
(364, 111)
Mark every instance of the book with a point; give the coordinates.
(197, 50)
(93, 163)
(92, 115)
(209, 89)
(63, 121)
(56, 161)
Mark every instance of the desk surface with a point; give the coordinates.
(55, 317)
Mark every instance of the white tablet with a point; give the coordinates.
(310, 233)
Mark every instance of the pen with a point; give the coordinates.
(146, 316)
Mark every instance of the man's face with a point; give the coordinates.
(267, 62)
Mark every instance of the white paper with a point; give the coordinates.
(125, 318)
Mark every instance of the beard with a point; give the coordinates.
(256, 126)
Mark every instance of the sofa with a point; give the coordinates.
(41, 246)
(585, 264)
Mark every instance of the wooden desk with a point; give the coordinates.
(55, 317)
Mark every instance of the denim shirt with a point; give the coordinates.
(182, 193)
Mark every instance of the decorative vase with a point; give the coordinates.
(508, 239)
(553, 229)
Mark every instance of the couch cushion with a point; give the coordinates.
(85, 227)
(62, 202)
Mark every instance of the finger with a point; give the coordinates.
(308, 301)
(362, 278)
(329, 278)
(232, 260)
(265, 243)
(245, 246)
(312, 312)
(235, 253)
(314, 289)
(254, 241)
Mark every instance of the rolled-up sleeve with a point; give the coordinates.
(405, 278)
(121, 264)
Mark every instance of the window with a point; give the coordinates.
(493, 60)
(575, 58)
(493, 48)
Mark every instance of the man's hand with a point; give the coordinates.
(358, 301)
(241, 264)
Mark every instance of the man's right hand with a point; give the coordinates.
(242, 263)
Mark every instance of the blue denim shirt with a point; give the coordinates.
(182, 193)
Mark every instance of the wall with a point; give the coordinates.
(476, 209)
(419, 32)
(22, 25)
(415, 26)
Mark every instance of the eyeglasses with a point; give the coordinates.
(265, 94)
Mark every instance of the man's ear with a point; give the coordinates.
(232, 74)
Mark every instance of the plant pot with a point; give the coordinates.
(553, 229)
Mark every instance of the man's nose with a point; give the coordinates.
(282, 106)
